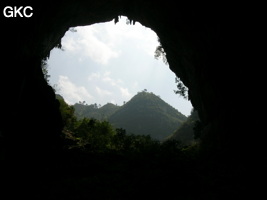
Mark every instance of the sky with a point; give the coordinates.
(110, 63)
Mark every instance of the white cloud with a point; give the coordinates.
(72, 93)
(113, 82)
(86, 43)
(94, 76)
(108, 86)
(144, 38)
(102, 92)
(125, 92)
(102, 42)
(70, 44)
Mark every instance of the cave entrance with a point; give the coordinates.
(111, 62)
(211, 50)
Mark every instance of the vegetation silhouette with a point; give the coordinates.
(98, 161)
(189, 132)
(159, 53)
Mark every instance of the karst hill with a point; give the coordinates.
(145, 114)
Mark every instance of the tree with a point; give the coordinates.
(95, 106)
(182, 90)
(145, 90)
(94, 135)
(119, 139)
(44, 67)
(56, 88)
(160, 53)
(67, 114)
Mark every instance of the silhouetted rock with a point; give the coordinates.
(207, 46)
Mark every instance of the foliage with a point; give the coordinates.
(44, 67)
(188, 132)
(95, 111)
(67, 113)
(102, 162)
(182, 90)
(160, 53)
(96, 136)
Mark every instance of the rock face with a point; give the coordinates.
(204, 46)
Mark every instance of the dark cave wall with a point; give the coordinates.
(203, 48)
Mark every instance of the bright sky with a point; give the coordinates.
(105, 63)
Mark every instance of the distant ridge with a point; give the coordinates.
(95, 111)
(145, 114)
(185, 133)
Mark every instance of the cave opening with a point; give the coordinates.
(99, 58)
(211, 50)
(108, 64)
(202, 41)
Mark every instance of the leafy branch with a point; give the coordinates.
(160, 53)
(182, 90)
